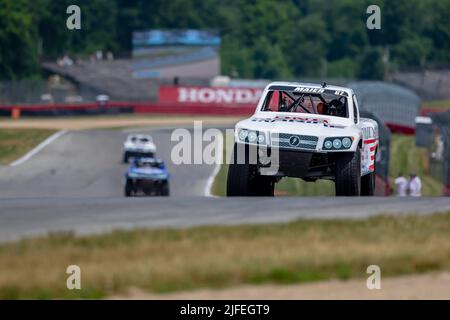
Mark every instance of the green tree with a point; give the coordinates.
(437, 29)
(18, 40)
(269, 62)
(260, 38)
(371, 64)
(412, 51)
(308, 46)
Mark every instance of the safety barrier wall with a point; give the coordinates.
(126, 107)
(172, 100)
(382, 187)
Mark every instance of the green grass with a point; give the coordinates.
(217, 257)
(16, 142)
(444, 104)
(299, 187)
(405, 157)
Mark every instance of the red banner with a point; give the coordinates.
(223, 96)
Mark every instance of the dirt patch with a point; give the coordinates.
(424, 286)
(99, 122)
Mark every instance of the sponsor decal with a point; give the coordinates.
(324, 122)
(294, 141)
(210, 95)
(309, 90)
(369, 132)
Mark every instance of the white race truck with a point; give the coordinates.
(307, 131)
(138, 145)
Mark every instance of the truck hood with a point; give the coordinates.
(139, 146)
(319, 126)
(146, 171)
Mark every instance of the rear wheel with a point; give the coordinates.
(348, 174)
(368, 184)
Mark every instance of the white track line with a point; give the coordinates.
(212, 177)
(38, 148)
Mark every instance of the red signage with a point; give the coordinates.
(225, 96)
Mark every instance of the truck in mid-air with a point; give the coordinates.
(307, 131)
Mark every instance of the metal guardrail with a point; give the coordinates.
(391, 103)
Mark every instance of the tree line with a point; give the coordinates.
(260, 38)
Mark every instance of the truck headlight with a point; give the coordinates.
(261, 138)
(251, 136)
(243, 134)
(346, 143)
(337, 143)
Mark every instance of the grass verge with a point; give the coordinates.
(170, 260)
(14, 143)
(116, 121)
(444, 104)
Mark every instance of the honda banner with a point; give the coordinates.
(223, 96)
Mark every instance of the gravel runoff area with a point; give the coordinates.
(430, 286)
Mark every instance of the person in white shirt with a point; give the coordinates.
(401, 184)
(415, 186)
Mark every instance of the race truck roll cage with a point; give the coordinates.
(335, 107)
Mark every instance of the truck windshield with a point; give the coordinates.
(313, 103)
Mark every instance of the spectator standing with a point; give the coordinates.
(415, 186)
(401, 184)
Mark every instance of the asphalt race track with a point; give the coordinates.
(76, 184)
(89, 164)
(26, 217)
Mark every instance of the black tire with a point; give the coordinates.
(128, 188)
(265, 186)
(165, 190)
(125, 157)
(368, 184)
(244, 181)
(348, 174)
(241, 180)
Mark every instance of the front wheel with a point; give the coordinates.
(128, 188)
(241, 180)
(348, 174)
(165, 191)
(265, 186)
(244, 180)
(125, 157)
